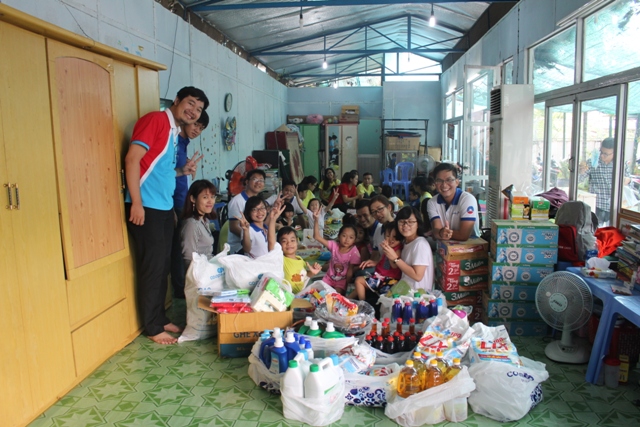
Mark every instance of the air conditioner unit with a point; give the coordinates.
(510, 145)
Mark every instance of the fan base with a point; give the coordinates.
(577, 353)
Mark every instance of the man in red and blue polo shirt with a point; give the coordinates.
(150, 167)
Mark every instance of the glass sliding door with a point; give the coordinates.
(557, 160)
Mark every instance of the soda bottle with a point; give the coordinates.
(421, 369)
(412, 326)
(407, 313)
(374, 327)
(367, 339)
(453, 370)
(434, 375)
(408, 381)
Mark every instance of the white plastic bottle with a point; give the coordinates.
(320, 380)
(293, 380)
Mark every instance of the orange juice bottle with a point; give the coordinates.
(408, 381)
(434, 375)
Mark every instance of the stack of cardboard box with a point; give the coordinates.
(462, 273)
(519, 206)
(522, 254)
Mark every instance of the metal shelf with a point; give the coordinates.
(425, 128)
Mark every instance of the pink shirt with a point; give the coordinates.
(336, 277)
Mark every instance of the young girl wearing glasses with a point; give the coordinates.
(416, 259)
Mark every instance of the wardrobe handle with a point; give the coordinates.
(17, 196)
(122, 180)
(8, 187)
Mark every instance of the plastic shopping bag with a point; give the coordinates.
(243, 272)
(262, 376)
(203, 278)
(427, 407)
(505, 392)
(316, 412)
(371, 387)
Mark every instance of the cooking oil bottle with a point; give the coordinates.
(443, 364)
(421, 369)
(434, 375)
(453, 370)
(408, 381)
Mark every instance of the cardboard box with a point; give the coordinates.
(518, 327)
(349, 118)
(435, 152)
(520, 273)
(452, 250)
(539, 203)
(525, 254)
(519, 198)
(463, 283)
(409, 143)
(514, 310)
(237, 332)
(509, 232)
(462, 267)
(513, 291)
(350, 110)
(473, 298)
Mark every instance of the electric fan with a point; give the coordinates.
(235, 176)
(425, 164)
(564, 302)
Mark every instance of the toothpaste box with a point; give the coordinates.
(463, 283)
(454, 250)
(519, 273)
(514, 310)
(512, 291)
(463, 267)
(473, 298)
(525, 254)
(518, 327)
(509, 232)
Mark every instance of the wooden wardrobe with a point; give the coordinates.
(67, 108)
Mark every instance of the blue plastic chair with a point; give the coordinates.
(404, 173)
(387, 177)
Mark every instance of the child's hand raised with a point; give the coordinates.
(314, 269)
(275, 212)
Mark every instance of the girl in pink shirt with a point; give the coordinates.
(344, 255)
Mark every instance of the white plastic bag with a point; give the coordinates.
(505, 392)
(427, 407)
(207, 275)
(242, 272)
(370, 390)
(262, 376)
(203, 278)
(316, 412)
(323, 347)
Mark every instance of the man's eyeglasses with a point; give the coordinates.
(448, 181)
(257, 180)
(404, 222)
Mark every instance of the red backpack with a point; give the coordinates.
(567, 248)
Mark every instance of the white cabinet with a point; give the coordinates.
(341, 148)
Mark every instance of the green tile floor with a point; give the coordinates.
(189, 385)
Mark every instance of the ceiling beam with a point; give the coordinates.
(209, 7)
(357, 51)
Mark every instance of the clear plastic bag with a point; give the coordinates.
(505, 392)
(371, 390)
(352, 325)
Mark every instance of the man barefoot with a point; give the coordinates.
(150, 172)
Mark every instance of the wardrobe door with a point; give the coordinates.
(37, 359)
(89, 178)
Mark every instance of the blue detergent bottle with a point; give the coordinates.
(433, 307)
(279, 361)
(407, 313)
(265, 347)
(396, 309)
(292, 346)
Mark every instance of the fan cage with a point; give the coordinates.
(579, 301)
